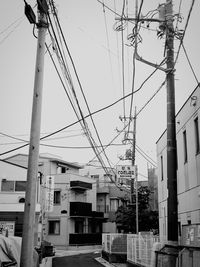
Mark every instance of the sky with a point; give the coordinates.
(96, 49)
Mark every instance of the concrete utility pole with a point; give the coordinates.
(133, 154)
(172, 202)
(132, 181)
(32, 174)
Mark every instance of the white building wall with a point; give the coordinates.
(9, 201)
(62, 183)
(188, 173)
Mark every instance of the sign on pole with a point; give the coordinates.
(49, 186)
(127, 172)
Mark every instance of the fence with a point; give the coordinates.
(140, 248)
(114, 243)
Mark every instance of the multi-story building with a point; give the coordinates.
(188, 171)
(68, 204)
(109, 195)
(12, 198)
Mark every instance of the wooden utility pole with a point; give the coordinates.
(32, 174)
(172, 202)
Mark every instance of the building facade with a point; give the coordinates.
(188, 171)
(68, 214)
(109, 195)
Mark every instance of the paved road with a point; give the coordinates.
(80, 260)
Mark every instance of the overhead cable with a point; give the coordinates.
(75, 71)
(93, 113)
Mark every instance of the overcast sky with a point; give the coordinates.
(95, 46)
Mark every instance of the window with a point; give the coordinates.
(7, 186)
(114, 204)
(96, 177)
(12, 186)
(196, 130)
(54, 227)
(63, 169)
(20, 186)
(185, 146)
(79, 226)
(161, 160)
(57, 197)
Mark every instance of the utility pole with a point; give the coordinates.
(132, 181)
(166, 22)
(32, 174)
(172, 202)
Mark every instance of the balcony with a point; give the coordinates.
(85, 239)
(80, 185)
(80, 209)
(97, 214)
(103, 190)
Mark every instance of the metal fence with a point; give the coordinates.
(114, 243)
(141, 249)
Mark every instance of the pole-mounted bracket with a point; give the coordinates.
(138, 57)
(42, 24)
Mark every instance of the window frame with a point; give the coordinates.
(196, 133)
(23, 182)
(14, 185)
(56, 221)
(185, 146)
(161, 167)
(4, 182)
(54, 198)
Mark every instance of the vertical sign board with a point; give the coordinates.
(125, 172)
(49, 188)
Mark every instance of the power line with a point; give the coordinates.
(189, 62)
(56, 146)
(128, 124)
(108, 43)
(95, 112)
(186, 25)
(135, 36)
(91, 140)
(16, 26)
(117, 14)
(145, 157)
(13, 23)
(123, 64)
(43, 133)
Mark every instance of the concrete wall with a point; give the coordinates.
(188, 173)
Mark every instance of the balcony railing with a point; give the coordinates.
(82, 209)
(85, 239)
(97, 214)
(80, 185)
